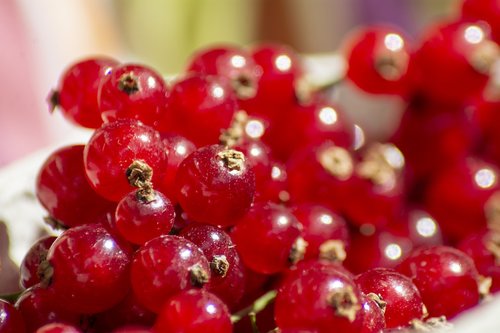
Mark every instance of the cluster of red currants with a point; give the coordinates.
(235, 198)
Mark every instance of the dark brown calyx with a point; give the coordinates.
(244, 86)
(378, 300)
(297, 251)
(128, 83)
(332, 250)
(219, 265)
(337, 161)
(232, 159)
(344, 302)
(232, 135)
(139, 174)
(53, 100)
(54, 223)
(45, 272)
(198, 276)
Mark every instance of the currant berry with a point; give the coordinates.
(143, 215)
(379, 58)
(199, 107)
(90, 269)
(31, 272)
(78, 90)
(165, 266)
(483, 10)
(194, 311)
(63, 190)
(325, 232)
(399, 295)
(215, 185)
(232, 63)
(418, 226)
(135, 92)
(227, 272)
(319, 299)
(446, 278)
(268, 238)
(111, 151)
(11, 320)
(58, 328)
(373, 315)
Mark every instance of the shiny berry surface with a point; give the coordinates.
(63, 190)
(165, 266)
(58, 328)
(31, 272)
(378, 58)
(10, 319)
(112, 149)
(446, 278)
(135, 92)
(402, 298)
(483, 10)
(91, 270)
(140, 217)
(78, 90)
(373, 316)
(266, 238)
(227, 272)
(194, 311)
(199, 107)
(215, 185)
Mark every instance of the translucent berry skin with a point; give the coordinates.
(212, 191)
(194, 311)
(378, 58)
(320, 224)
(482, 247)
(457, 197)
(11, 320)
(78, 90)
(418, 226)
(58, 328)
(227, 283)
(63, 190)
(112, 149)
(29, 269)
(199, 107)
(230, 62)
(446, 278)
(373, 316)
(403, 299)
(177, 148)
(91, 269)
(305, 298)
(39, 306)
(454, 53)
(139, 219)
(265, 236)
(133, 91)
(165, 266)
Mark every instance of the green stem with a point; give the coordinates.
(256, 307)
(253, 322)
(11, 298)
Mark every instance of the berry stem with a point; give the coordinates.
(11, 298)
(260, 304)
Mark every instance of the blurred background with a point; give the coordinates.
(39, 39)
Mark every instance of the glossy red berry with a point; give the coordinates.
(446, 278)
(230, 62)
(111, 151)
(11, 320)
(63, 190)
(199, 107)
(373, 316)
(90, 269)
(483, 10)
(418, 226)
(227, 272)
(142, 216)
(268, 238)
(165, 266)
(135, 92)
(215, 185)
(31, 272)
(324, 231)
(379, 58)
(194, 311)
(319, 299)
(58, 328)
(78, 90)
(403, 302)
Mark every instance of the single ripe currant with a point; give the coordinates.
(11, 320)
(215, 185)
(31, 271)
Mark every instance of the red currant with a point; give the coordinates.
(11, 320)
(32, 272)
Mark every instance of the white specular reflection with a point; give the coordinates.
(394, 42)
(474, 34)
(328, 115)
(485, 178)
(254, 129)
(238, 61)
(283, 63)
(426, 227)
(393, 251)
